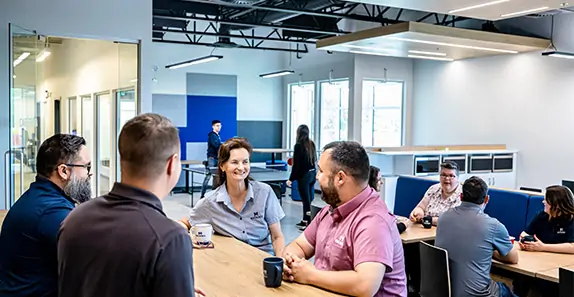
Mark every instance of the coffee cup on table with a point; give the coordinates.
(202, 234)
(427, 222)
(273, 271)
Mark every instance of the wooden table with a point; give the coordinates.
(234, 268)
(534, 264)
(416, 233)
(552, 274)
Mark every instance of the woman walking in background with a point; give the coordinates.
(303, 171)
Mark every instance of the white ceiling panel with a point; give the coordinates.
(478, 9)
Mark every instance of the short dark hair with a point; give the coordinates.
(450, 165)
(350, 157)
(146, 142)
(474, 190)
(215, 122)
(56, 150)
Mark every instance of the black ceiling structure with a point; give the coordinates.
(299, 22)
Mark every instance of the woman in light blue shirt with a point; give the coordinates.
(240, 207)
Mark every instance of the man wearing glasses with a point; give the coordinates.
(28, 240)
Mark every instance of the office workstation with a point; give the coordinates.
(479, 84)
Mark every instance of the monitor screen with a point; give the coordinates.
(569, 184)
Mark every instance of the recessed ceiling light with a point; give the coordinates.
(369, 53)
(524, 11)
(430, 58)
(428, 53)
(477, 6)
(366, 47)
(455, 45)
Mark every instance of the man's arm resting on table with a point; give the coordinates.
(365, 280)
(510, 258)
(300, 247)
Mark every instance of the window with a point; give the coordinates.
(302, 98)
(382, 122)
(334, 111)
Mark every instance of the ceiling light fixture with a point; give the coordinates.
(194, 62)
(524, 11)
(556, 54)
(276, 73)
(369, 53)
(430, 58)
(477, 6)
(367, 47)
(21, 58)
(428, 53)
(455, 45)
(45, 53)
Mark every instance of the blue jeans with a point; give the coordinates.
(504, 290)
(211, 162)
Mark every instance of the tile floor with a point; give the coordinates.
(177, 206)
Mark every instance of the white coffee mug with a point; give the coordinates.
(202, 233)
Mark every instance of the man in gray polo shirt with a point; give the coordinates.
(472, 239)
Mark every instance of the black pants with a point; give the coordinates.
(306, 187)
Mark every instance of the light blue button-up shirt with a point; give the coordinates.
(260, 210)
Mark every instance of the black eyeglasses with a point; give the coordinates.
(87, 166)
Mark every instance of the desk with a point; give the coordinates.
(416, 233)
(536, 264)
(234, 268)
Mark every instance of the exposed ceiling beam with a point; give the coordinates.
(239, 46)
(356, 17)
(250, 24)
(233, 36)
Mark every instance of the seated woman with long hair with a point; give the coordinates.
(375, 182)
(240, 207)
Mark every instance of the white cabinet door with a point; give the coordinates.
(486, 177)
(505, 180)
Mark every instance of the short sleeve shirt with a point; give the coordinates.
(553, 231)
(439, 204)
(360, 230)
(260, 210)
(470, 236)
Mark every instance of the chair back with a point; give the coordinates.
(435, 272)
(566, 285)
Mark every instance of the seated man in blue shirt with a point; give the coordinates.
(472, 239)
(28, 258)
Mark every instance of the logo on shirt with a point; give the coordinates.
(561, 231)
(340, 241)
(256, 216)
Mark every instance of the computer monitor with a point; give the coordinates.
(566, 279)
(568, 184)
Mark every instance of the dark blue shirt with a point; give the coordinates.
(553, 231)
(28, 241)
(213, 144)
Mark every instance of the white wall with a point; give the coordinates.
(524, 101)
(257, 98)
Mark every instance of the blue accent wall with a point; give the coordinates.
(201, 110)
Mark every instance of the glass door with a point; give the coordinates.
(105, 176)
(24, 114)
(87, 125)
(126, 108)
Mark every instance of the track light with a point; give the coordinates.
(194, 62)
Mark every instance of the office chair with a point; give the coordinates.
(566, 282)
(435, 272)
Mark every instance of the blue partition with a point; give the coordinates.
(510, 208)
(409, 192)
(534, 207)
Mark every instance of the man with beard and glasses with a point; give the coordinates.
(122, 243)
(357, 247)
(28, 241)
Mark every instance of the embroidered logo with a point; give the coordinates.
(256, 216)
(340, 241)
(561, 231)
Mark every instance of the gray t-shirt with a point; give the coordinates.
(470, 236)
(261, 209)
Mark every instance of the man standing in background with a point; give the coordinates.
(213, 144)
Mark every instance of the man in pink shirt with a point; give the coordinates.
(357, 248)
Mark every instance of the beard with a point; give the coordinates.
(330, 194)
(79, 189)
